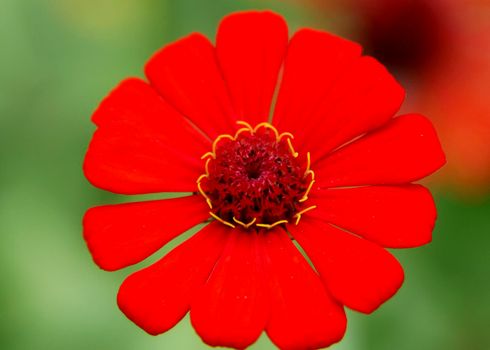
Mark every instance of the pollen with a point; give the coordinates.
(255, 179)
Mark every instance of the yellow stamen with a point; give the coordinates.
(208, 200)
(221, 220)
(244, 224)
(201, 191)
(293, 152)
(298, 215)
(219, 138)
(288, 134)
(201, 177)
(269, 226)
(206, 166)
(208, 154)
(267, 126)
(312, 174)
(305, 196)
(308, 163)
(245, 124)
(239, 131)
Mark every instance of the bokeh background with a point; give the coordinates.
(58, 58)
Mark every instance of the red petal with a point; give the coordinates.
(315, 63)
(405, 150)
(186, 74)
(303, 314)
(143, 145)
(157, 297)
(231, 309)
(125, 234)
(396, 217)
(329, 95)
(250, 48)
(366, 98)
(358, 273)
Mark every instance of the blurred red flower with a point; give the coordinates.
(453, 92)
(440, 49)
(331, 161)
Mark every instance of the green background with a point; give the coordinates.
(58, 58)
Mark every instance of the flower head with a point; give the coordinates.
(329, 167)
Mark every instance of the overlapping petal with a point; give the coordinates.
(125, 234)
(358, 273)
(405, 150)
(314, 62)
(231, 309)
(330, 95)
(303, 314)
(157, 297)
(391, 216)
(187, 75)
(142, 144)
(250, 60)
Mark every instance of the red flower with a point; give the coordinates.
(332, 161)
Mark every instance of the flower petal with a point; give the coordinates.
(358, 273)
(143, 145)
(391, 216)
(231, 309)
(303, 314)
(366, 98)
(251, 47)
(157, 297)
(405, 150)
(314, 63)
(329, 95)
(186, 74)
(125, 234)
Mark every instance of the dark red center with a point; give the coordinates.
(255, 176)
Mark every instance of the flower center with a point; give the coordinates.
(256, 178)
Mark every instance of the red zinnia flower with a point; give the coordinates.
(330, 163)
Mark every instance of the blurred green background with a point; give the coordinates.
(58, 58)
